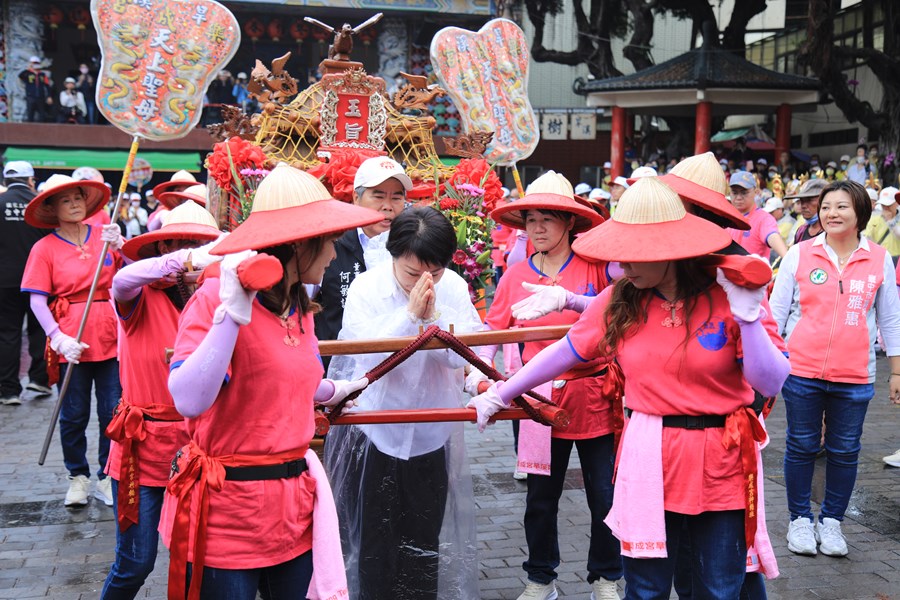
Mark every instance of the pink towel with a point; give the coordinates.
(534, 442)
(637, 516)
(329, 579)
(761, 556)
(512, 359)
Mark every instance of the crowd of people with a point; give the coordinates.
(201, 349)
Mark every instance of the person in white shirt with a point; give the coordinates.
(136, 217)
(404, 491)
(72, 107)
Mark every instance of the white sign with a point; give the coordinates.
(584, 126)
(554, 126)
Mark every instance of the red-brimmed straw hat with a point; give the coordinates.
(651, 225)
(291, 205)
(550, 191)
(699, 180)
(196, 193)
(181, 179)
(40, 212)
(187, 221)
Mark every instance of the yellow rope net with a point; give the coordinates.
(290, 133)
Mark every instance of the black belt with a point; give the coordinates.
(694, 422)
(155, 420)
(287, 470)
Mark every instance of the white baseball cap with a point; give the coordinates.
(34, 59)
(598, 193)
(887, 197)
(18, 168)
(873, 194)
(135, 196)
(607, 165)
(643, 172)
(582, 188)
(378, 169)
(621, 181)
(773, 204)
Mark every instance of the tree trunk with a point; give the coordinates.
(734, 34)
(638, 49)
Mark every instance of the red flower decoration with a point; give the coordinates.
(478, 172)
(460, 257)
(338, 173)
(236, 152)
(449, 203)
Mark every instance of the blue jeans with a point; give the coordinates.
(844, 407)
(75, 413)
(542, 506)
(718, 558)
(135, 547)
(287, 581)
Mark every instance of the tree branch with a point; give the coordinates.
(734, 34)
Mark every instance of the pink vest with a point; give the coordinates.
(832, 340)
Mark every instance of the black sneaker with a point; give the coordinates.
(40, 390)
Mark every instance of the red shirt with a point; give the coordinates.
(146, 332)
(265, 407)
(57, 267)
(592, 416)
(667, 375)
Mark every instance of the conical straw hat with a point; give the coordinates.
(550, 191)
(291, 205)
(41, 213)
(699, 180)
(180, 179)
(187, 221)
(196, 193)
(651, 225)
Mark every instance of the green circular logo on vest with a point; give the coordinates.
(818, 276)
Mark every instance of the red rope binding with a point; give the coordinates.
(433, 331)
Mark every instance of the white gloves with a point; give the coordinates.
(486, 405)
(342, 389)
(744, 302)
(112, 234)
(473, 379)
(544, 300)
(201, 258)
(236, 301)
(66, 346)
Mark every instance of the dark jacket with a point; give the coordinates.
(16, 236)
(338, 276)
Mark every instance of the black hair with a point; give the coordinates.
(281, 298)
(563, 215)
(422, 232)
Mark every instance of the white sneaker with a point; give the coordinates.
(539, 591)
(893, 459)
(11, 400)
(801, 537)
(831, 539)
(78, 491)
(40, 390)
(519, 475)
(103, 491)
(604, 589)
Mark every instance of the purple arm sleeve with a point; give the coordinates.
(578, 303)
(128, 282)
(550, 362)
(42, 313)
(518, 252)
(765, 367)
(614, 271)
(324, 392)
(195, 384)
(488, 352)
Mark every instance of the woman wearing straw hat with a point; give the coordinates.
(146, 430)
(831, 295)
(248, 502)
(552, 217)
(58, 277)
(180, 181)
(407, 507)
(689, 453)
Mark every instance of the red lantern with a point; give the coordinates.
(368, 35)
(276, 30)
(299, 31)
(53, 17)
(254, 28)
(80, 16)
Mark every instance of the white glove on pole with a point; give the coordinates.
(486, 405)
(200, 258)
(472, 380)
(67, 347)
(544, 300)
(236, 301)
(112, 234)
(342, 389)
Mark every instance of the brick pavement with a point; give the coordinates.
(47, 551)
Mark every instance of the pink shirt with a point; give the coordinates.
(667, 374)
(146, 333)
(57, 267)
(762, 225)
(264, 408)
(591, 416)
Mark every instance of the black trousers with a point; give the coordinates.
(14, 308)
(402, 510)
